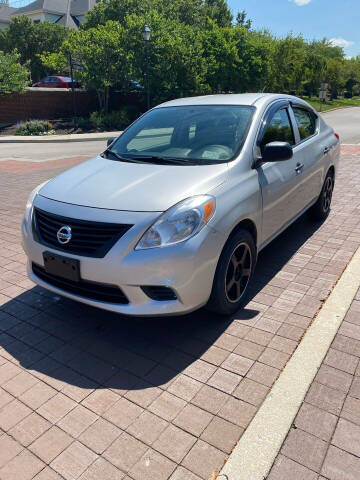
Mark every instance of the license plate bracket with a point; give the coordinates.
(67, 268)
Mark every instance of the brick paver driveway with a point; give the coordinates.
(91, 395)
(325, 436)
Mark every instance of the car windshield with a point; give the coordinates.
(192, 134)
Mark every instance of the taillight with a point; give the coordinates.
(337, 136)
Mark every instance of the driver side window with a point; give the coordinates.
(279, 129)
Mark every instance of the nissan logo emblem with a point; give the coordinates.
(64, 235)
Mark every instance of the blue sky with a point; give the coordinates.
(313, 18)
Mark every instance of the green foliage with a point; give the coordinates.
(84, 123)
(35, 127)
(188, 12)
(116, 120)
(242, 20)
(114, 53)
(32, 40)
(13, 76)
(105, 54)
(196, 47)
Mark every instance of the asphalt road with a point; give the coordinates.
(346, 122)
(37, 152)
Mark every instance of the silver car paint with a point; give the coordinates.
(113, 185)
(271, 197)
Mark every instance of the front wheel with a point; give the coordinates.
(320, 210)
(233, 274)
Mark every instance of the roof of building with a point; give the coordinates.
(5, 13)
(68, 20)
(77, 7)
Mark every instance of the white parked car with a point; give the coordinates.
(172, 215)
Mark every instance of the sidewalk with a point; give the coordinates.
(73, 137)
(324, 442)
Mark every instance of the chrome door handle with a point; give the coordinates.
(326, 150)
(299, 168)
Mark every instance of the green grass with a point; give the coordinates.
(337, 103)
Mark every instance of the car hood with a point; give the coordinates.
(116, 185)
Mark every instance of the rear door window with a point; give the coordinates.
(306, 122)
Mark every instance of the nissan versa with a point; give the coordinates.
(172, 215)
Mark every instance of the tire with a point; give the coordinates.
(232, 278)
(321, 209)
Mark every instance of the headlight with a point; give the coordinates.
(30, 201)
(179, 223)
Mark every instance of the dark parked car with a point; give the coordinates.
(56, 81)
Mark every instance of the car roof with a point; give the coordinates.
(230, 99)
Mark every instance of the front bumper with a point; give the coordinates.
(187, 268)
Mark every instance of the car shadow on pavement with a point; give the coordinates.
(63, 341)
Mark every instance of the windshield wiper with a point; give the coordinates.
(149, 158)
(119, 157)
(161, 160)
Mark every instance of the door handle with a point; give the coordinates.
(326, 150)
(299, 168)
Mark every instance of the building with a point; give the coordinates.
(64, 12)
(5, 14)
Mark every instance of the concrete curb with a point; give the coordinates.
(339, 108)
(253, 456)
(75, 137)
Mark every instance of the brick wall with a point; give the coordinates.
(44, 104)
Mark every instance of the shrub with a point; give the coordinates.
(116, 120)
(85, 123)
(13, 76)
(35, 127)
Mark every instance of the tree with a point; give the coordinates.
(195, 48)
(114, 53)
(188, 12)
(105, 57)
(335, 75)
(352, 74)
(13, 76)
(289, 57)
(33, 39)
(219, 11)
(242, 20)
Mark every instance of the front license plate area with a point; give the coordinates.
(63, 267)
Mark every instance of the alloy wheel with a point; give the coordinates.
(238, 272)
(327, 193)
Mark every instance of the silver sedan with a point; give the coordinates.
(172, 215)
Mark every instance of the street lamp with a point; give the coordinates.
(146, 33)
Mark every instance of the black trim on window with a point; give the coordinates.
(270, 112)
(307, 109)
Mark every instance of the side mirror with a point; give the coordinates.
(110, 141)
(277, 152)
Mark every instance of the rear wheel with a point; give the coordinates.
(320, 210)
(233, 274)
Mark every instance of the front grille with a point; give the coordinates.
(84, 288)
(89, 239)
